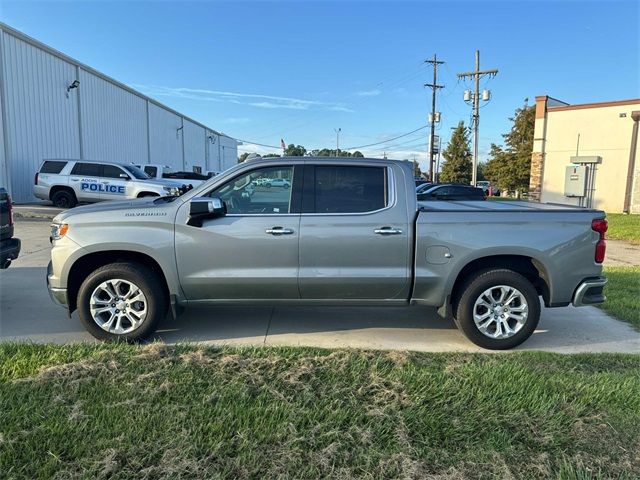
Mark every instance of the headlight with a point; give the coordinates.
(59, 230)
(172, 190)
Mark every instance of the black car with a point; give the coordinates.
(9, 246)
(420, 181)
(451, 191)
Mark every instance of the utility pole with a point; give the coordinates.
(337, 130)
(474, 98)
(434, 117)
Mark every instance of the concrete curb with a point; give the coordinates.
(33, 215)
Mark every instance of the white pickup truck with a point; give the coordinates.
(165, 172)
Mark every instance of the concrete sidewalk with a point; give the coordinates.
(27, 314)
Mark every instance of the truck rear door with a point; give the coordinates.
(354, 233)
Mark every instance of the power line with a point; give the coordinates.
(388, 139)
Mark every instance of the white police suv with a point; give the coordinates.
(69, 182)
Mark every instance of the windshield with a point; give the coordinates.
(136, 172)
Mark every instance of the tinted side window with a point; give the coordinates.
(87, 169)
(111, 171)
(347, 189)
(152, 171)
(51, 166)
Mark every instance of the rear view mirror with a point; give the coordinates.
(205, 207)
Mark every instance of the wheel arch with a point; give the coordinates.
(88, 263)
(529, 267)
(57, 188)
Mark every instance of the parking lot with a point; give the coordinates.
(27, 314)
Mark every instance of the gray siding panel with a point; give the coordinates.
(114, 122)
(194, 146)
(42, 121)
(165, 140)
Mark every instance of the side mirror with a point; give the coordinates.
(205, 207)
(125, 176)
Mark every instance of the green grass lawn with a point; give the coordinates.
(126, 412)
(623, 293)
(624, 227)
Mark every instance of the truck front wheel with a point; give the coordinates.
(498, 309)
(121, 302)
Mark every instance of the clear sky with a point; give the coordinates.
(297, 70)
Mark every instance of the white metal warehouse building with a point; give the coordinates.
(102, 119)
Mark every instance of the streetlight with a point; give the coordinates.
(337, 130)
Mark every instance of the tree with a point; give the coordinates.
(509, 167)
(295, 151)
(457, 157)
(270, 155)
(481, 168)
(243, 157)
(331, 152)
(417, 173)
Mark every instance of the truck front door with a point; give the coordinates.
(252, 252)
(355, 236)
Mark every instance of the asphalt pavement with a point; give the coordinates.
(27, 314)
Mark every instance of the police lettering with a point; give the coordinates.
(100, 187)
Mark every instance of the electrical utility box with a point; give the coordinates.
(575, 181)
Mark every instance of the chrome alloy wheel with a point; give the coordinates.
(500, 311)
(118, 306)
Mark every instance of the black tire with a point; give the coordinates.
(145, 279)
(64, 199)
(473, 288)
(268, 185)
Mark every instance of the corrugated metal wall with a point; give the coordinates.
(99, 120)
(113, 121)
(194, 146)
(41, 121)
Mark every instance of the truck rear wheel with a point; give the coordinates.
(121, 302)
(64, 198)
(498, 309)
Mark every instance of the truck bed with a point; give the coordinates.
(557, 239)
(499, 206)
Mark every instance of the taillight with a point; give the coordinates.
(35, 179)
(600, 225)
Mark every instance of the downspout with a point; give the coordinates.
(635, 116)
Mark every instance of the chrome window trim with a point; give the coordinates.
(391, 190)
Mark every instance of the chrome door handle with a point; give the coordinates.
(388, 231)
(75, 179)
(279, 231)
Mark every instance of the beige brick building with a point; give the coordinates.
(605, 132)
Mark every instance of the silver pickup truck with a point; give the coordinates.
(345, 232)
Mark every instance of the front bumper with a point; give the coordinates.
(58, 295)
(590, 292)
(9, 250)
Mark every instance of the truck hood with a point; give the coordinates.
(108, 206)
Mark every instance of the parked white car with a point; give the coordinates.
(69, 182)
(277, 182)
